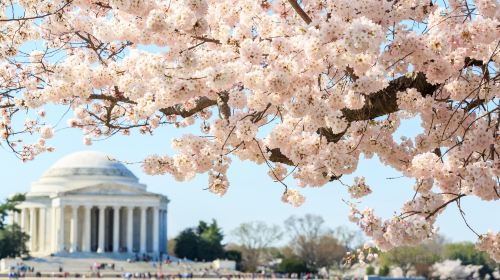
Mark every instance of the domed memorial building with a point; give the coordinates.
(87, 202)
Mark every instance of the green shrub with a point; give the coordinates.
(383, 270)
(370, 270)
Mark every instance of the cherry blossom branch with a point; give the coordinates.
(38, 16)
(377, 104)
(277, 156)
(6, 106)
(269, 165)
(207, 40)
(443, 206)
(201, 103)
(384, 101)
(224, 109)
(298, 9)
(462, 213)
(178, 110)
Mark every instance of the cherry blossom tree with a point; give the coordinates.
(304, 87)
(453, 269)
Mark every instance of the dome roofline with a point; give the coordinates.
(88, 171)
(85, 167)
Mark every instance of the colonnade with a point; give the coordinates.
(88, 228)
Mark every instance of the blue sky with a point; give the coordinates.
(252, 195)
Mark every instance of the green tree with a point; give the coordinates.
(9, 206)
(292, 265)
(383, 270)
(370, 270)
(234, 255)
(186, 244)
(210, 241)
(13, 242)
(12, 239)
(203, 243)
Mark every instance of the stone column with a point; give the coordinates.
(161, 230)
(100, 248)
(74, 229)
(130, 229)
(116, 229)
(86, 229)
(42, 229)
(156, 231)
(166, 230)
(143, 230)
(54, 229)
(60, 234)
(11, 217)
(23, 219)
(48, 228)
(32, 230)
(15, 217)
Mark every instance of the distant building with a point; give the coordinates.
(87, 202)
(224, 265)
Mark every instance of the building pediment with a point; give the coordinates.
(106, 189)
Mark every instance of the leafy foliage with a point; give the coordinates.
(370, 270)
(235, 255)
(186, 244)
(8, 206)
(201, 243)
(292, 265)
(383, 270)
(12, 239)
(13, 242)
(210, 241)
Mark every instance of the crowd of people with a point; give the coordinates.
(20, 269)
(160, 275)
(183, 270)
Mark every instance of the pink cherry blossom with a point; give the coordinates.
(305, 88)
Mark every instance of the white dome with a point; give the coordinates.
(87, 159)
(88, 163)
(83, 169)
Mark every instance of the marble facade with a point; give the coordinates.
(87, 202)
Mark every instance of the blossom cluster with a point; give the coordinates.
(490, 242)
(293, 197)
(394, 232)
(360, 188)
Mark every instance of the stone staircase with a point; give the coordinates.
(83, 263)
